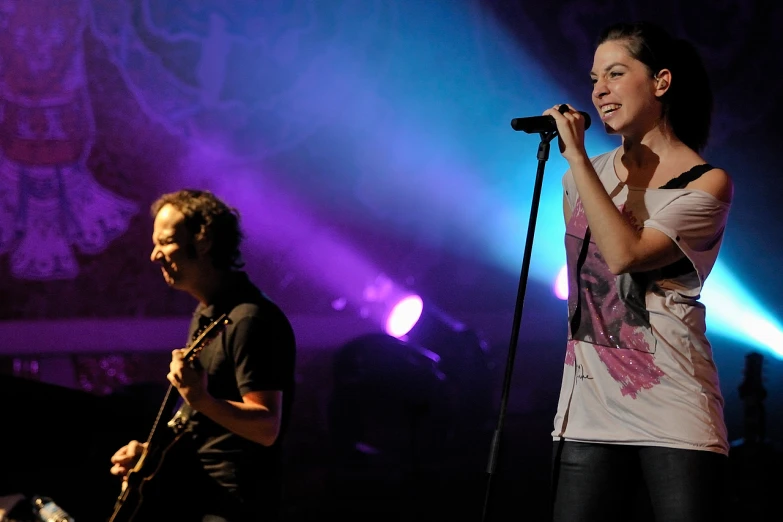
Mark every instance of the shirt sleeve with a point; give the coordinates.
(263, 352)
(695, 221)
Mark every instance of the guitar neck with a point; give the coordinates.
(164, 413)
(163, 435)
(172, 396)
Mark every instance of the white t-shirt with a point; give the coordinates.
(638, 367)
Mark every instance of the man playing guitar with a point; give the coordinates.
(237, 394)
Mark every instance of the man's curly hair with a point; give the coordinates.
(206, 216)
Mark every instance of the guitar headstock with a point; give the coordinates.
(206, 335)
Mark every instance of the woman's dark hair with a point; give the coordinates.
(207, 216)
(687, 105)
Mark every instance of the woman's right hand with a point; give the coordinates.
(126, 457)
(570, 131)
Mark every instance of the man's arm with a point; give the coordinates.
(257, 417)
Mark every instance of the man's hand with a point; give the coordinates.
(126, 458)
(191, 383)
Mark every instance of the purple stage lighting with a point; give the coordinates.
(561, 284)
(404, 315)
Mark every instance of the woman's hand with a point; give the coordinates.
(570, 131)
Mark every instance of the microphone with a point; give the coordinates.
(537, 124)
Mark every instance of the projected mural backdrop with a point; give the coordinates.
(50, 204)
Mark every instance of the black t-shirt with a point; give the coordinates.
(255, 352)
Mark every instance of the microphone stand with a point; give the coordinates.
(543, 156)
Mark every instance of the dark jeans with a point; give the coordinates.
(599, 482)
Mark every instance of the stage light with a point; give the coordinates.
(464, 360)
(404, 315)
(426, 383)
(734, 313)
(560, 286)
(385, 392)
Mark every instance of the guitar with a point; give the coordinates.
(161, 438)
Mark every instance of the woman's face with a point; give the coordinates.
(624, 91)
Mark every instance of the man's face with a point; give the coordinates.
(172, 249)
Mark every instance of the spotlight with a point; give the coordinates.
(404, 315)
(464, 359)
(561, 284)
(386, 394)
(420, 400)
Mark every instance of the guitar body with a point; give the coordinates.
(162, 438)
(131, 497)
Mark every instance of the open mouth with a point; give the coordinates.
(167, 272)
(606, 110)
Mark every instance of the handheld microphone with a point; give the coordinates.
(538, 124)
